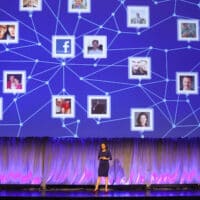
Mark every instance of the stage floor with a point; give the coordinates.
(89, 194)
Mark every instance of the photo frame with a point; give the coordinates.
(79, 6)
(9, 32)
(63, 46)
(14, 81)
(139, 68)
(63, 106)
(95, 46)
(187, 83)
(188, 29)
(142, 119)
(138, 17)
(98, 106)
(30, 5)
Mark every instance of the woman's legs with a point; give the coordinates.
(97, 183)
(106, 185)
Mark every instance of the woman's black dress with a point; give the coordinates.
(104, 164)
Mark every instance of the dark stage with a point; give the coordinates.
(86, 192)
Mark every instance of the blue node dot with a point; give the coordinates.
(199, 124)
(119, 32)
(142, 136)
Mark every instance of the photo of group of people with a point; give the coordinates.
(79, 6)
(8, 32)
(139, 67)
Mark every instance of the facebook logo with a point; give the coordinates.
(63, 46)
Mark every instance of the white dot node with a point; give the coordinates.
(15, 99)
(64, 90)
(173, 125)
(30, 15)
(29, 77)
(188, 101)
(189, 47)
(174, 15)
(139, 85)
(119, 32)
(78, 121)
(63, 126)
(113, 14)
(7, 49)
(98, 122)
(101, 27)
(138, 33)
(39, 44)
(150, 47)
(63, 63)
(47, 82)
(81, 78)
(95, 64)
(79, 17)
(155, 2)
(36, 60)
(142, 136)
(107, 93)
(167, 80)
(166, 50)
(164, 100)
(21, 124)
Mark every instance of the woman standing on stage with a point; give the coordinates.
(104, 156)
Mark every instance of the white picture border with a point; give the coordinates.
(89, 106)
(151, 119)
(65, 115)
(180, 21)
(79, 10)
(1, 108)
(136, 8)
(146, 76)
(11, 41)
(30, 9)
(87, 40)
(64, 55)
(178, 84)
(23, 81)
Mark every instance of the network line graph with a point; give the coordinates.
(174, 114)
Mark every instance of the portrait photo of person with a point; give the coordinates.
(98, 106)
(138, 16)
(63, 106)
(8, 32)
(1, 108)
(95, 46)
(141, 119)
(187, 82)
(30, 5)
(79, 6)
(14, 81)
(188, 30)
(139, 67)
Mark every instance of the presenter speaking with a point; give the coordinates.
(104, 156)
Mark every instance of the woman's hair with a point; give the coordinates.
(139, 116)
(105, 145)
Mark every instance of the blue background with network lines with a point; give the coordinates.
(29, 114)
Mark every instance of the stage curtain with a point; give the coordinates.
(74, 161)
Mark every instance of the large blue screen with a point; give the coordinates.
(104, 68)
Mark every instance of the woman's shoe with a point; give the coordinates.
(95, 190)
